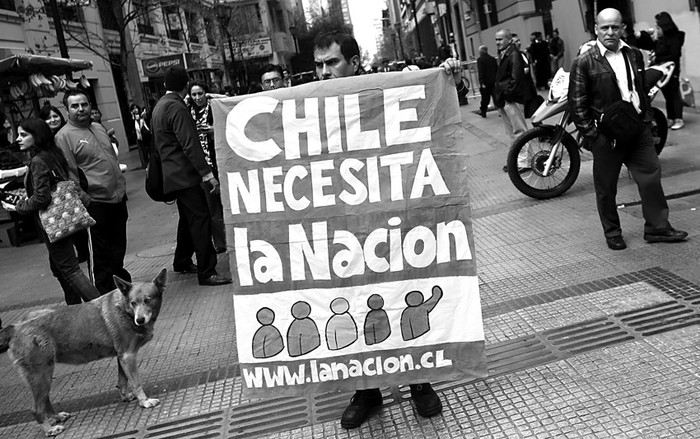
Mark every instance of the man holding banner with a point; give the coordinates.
(353, 252)
(337, 55)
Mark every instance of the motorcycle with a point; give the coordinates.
(545, 161)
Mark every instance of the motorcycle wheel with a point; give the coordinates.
(659, 129)
(538, 143)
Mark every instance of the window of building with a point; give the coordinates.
(8, 5)
(173, 22)
(71, 13)
(246, 20)
(143, 18)
(109, 20)
(488, 14)
(279, 21)
(192, 26)
(209, 29)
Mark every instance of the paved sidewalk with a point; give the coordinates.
(581, 341)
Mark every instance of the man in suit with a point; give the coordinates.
(599, 78)
(486, 67)
(510, 85)
(184, 170)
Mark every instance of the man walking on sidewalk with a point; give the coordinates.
(486, 67)
(510, 84)
(600, 77)
(184, 169)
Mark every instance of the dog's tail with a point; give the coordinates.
(5, 336)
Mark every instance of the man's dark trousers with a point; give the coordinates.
(643, 163)
(194, 232)
(486, 92)
(108, 243)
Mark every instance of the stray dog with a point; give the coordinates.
(118, 323)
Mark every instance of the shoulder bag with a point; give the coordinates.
(65, 214)
(621, 122)
(154, 178)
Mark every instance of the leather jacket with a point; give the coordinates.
(510, 78)
(593, 87)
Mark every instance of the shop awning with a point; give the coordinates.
(23, 65)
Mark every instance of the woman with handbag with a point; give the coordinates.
(46, 167)
(54, 118)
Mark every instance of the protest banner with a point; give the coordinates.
(347, 211)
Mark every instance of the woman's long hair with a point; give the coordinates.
(43, 140)
(665, 22)
(45, 112)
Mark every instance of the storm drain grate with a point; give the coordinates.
(208, 425)
(586, 336)
(268, 416)
(132, 434)
(259, 418)
(661, 318)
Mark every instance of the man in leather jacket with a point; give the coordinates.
(598, 79)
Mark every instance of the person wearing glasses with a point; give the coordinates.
(271, 77)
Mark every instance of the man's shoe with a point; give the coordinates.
(187, 269)
(361, 405)
(427, 401)
(214, 280)
(616, 243)
(505, 168)
(678, 125)
(670, 235)
(220, 250)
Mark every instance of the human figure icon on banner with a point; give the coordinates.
(302, 335)
(267, 341)
(341, 330)
(377, 326)
(414, 319)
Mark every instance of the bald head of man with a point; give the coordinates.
(503, 39)
(609, 28)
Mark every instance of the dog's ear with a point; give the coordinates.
(123, 285)
(159, 280)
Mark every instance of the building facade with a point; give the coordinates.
(424, 24)
(132, 42)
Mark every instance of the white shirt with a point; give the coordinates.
(617, 62)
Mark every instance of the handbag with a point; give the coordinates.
(66, 213)
(154, 178)
(621, 122)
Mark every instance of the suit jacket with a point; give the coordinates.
(176, 140)
(593, 87)
(510, 78)
(486, 66)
